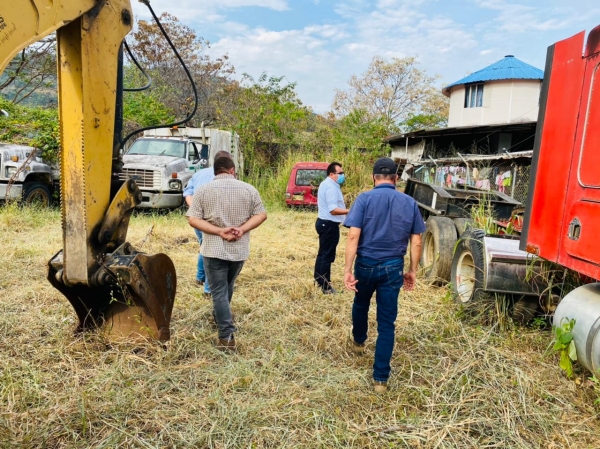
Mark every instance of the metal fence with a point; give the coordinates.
(509, 178)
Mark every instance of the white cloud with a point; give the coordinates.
(300, 55)
(519, 19)
(189, 10)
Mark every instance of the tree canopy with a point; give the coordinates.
(170, 84)
(396, 92)
(32, 71)
(33, 126)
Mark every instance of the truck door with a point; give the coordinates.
(193, 157)
(580, 247)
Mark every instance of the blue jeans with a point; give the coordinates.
(385, 278)
(200, 273)
(222, 274)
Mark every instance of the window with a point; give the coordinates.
(473, 95)
(158, 147)
(310, 177)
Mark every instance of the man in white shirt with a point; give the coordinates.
(332, 211)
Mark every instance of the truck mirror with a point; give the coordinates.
(204, 152)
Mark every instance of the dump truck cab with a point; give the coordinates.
(162, 167)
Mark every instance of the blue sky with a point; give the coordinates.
(320, 44)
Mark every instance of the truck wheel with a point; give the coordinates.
(525, 309)
(438, 244)
(462, 224)
(37, 193)
(467, 267)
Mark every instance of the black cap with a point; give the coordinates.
(384, 166)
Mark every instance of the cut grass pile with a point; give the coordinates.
(293, 382)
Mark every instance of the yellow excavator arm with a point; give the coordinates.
(107, 281)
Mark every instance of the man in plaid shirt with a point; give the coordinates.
(225, 210)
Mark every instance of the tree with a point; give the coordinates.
(357, 131)
(140, 111)
(170, 85)
(433, 115)
(32, 71)
(268, 116)
(33, 126)
(390, 91)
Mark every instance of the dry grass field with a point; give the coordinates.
(456, 383)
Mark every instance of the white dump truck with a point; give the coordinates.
(24, 176)
(163, 161)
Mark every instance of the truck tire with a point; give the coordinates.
(438, 244)
(37, 193)
(468, 267)
(462, 224)
(524, 309)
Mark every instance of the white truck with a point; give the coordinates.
(24, 176)
(164, 160)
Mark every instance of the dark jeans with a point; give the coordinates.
(386, 279)
(200, 273)
(221, 275)
(329, 237)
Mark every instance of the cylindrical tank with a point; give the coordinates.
(583, 305)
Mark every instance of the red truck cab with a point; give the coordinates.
(563, 210)
(303, 184)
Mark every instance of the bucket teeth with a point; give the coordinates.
(133, 296)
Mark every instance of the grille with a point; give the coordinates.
(143, 178)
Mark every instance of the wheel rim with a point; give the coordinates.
(465, 277)
(428, 251)
(37, 196)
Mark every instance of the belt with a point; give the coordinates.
(329, 221)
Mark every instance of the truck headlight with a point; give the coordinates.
(175, 184)
(10, 171)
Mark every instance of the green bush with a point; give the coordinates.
(33, 126)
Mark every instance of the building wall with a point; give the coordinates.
(412, 153)
(503, 102)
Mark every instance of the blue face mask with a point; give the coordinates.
(341, 179)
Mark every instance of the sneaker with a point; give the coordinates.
(226, 344)
(199, 283)
(358, 349)
(331, 291)
(379, 387)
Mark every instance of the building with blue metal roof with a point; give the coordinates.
(507, 91)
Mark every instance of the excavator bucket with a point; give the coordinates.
(133, 297)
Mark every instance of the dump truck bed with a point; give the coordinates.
(457, 202)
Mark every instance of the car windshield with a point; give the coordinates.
(157, 147)
(310, 177)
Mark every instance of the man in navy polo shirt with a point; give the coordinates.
(382, 222)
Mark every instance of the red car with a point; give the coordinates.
(304, 182)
